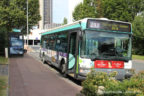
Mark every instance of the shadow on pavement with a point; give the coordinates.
(78, 82)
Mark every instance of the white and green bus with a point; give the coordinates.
(98, 43)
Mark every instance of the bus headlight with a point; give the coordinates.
(86, 63)
(128, 65)
(83, 70)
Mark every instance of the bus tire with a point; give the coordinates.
(63, 70)
(43, 59)
(40, 54)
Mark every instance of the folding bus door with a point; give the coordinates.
(72, 54)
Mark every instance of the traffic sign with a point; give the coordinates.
(16, 30)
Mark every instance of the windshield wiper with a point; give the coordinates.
(99, 58)
(120, 58)
(111, 58)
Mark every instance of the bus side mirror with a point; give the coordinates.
(81, 34)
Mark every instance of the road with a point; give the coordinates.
(138, 65)
(29, 77)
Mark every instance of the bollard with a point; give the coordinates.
(6, 52)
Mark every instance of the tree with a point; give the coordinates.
(138, 36)
(87, 9)
(65, 21)
(78, 12)
(13, 14)
(124, 10)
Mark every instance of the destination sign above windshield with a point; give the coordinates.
(109, 25)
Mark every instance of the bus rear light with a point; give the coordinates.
(109, 64)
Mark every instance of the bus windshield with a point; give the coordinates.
(106, 46)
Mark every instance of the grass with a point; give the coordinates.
(137, 57)
(3, 79)
(3, 85)
(3, 60)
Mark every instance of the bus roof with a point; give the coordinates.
(78, 24)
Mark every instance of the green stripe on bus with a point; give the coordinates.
(77, 65)
(62, 29)
(108, 31)
(83, 25)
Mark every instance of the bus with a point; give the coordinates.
(98, 43)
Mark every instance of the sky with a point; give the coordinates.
(60, 10)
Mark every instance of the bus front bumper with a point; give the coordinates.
(121, 73)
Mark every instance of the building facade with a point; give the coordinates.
(46, 13)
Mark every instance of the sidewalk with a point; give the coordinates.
(29, 77)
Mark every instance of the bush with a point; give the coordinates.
(103, 84)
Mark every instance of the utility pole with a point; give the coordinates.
(27, 26)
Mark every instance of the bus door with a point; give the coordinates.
(72, 53)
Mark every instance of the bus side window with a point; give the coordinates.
(47, 44)
(72, 44)
(44, 44)
(57, 44)
(63, 43)
(52, 42)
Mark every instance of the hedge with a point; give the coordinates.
(103, 84)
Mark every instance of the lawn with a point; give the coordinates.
(3, 60)
(137, 57)
(3, 79)
(3, 85)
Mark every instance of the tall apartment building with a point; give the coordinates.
(46, 13)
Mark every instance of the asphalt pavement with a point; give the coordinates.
(138, 65)
(29, 77)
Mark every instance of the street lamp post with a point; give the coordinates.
(27, 25)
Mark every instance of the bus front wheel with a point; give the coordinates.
(63, 70)
(43, 59)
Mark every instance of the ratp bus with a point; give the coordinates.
(98, 43)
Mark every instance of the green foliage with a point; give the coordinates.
(13, 13)
(138, 38)
(103, 84)
(124, 10)
(138, 57)
(3, 85)
(78, 12)
(138, 28)
(116, 10)
(65, 21)
(3, 60)
(34, 16)
(86, 9)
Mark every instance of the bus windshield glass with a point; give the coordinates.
(106, 46)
